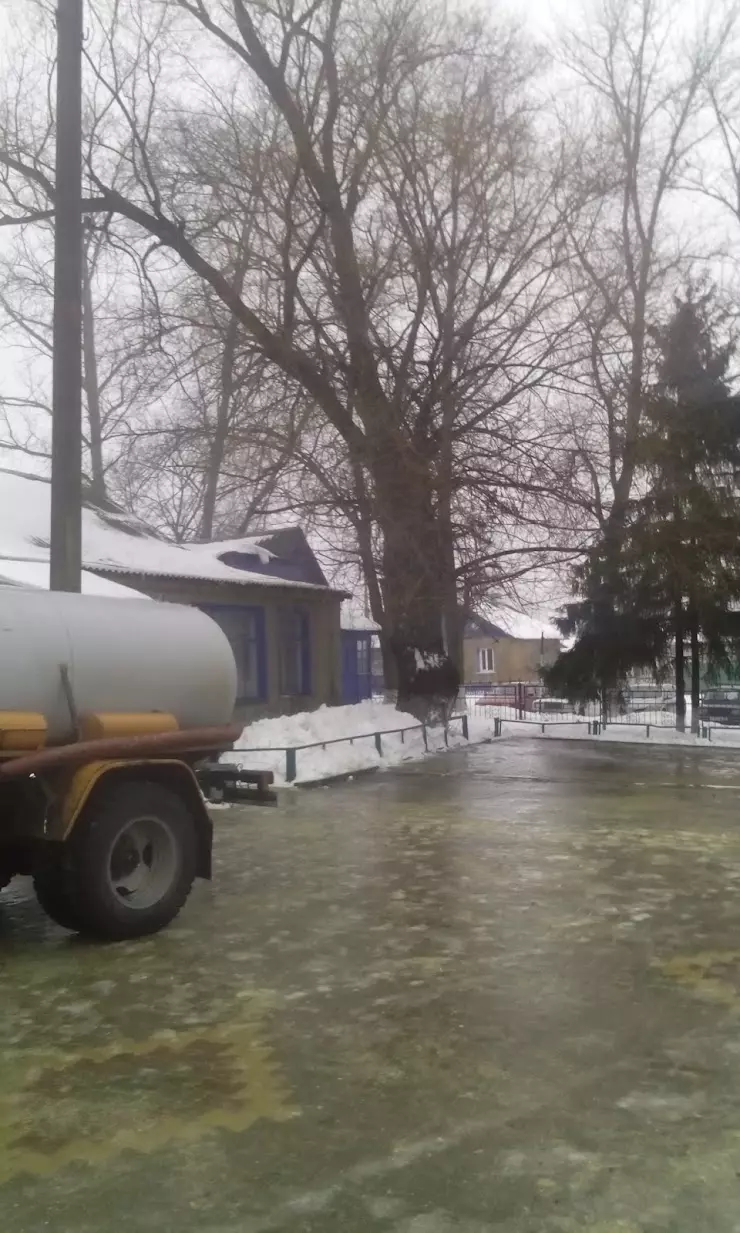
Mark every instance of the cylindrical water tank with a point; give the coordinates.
(121, 655)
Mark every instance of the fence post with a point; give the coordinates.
(379, 744)
(647, 730)
(465, 727)
(290, 765)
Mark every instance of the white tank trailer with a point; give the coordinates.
(113, 714)
(118, 655)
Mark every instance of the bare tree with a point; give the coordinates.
(376, 217)
(713, 177)
(121, 346)
(391, 313)
(641, 83)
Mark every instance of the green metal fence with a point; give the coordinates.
(291, 752)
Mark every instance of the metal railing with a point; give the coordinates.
(290, 752)
(648, 706)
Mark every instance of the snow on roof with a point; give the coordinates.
(114, 541)
(480, 626)
(519, 625)
(217, 548)
(35, 574)
(353, 619)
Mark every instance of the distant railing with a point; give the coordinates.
(290, 752)
(648, 706)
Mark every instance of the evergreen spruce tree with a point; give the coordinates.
(671, 573)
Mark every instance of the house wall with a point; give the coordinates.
(514, 659)
(322, 610)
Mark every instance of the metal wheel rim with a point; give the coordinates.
(142, 863)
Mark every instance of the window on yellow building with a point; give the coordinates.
(485, 659)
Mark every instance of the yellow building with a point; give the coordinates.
(492, 654)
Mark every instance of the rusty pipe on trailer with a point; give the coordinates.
(159, 744)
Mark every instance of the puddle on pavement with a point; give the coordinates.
(498, 995)
(60, 1107)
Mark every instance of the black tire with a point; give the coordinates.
(54, 892)
(129, 865)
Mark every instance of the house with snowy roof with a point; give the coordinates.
(508, 646)
(268, 592)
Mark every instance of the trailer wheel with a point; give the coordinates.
(55, 894)
(129, 865)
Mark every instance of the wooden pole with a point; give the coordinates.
(66, 432)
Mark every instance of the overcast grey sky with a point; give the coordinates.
(542, 17)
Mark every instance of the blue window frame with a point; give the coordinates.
(294, 652)
(245, 630)
(363, 656)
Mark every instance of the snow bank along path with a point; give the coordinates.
(267, 739)
(262, 745)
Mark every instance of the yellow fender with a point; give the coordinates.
(70, 795)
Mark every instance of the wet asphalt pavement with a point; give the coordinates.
(496, 991)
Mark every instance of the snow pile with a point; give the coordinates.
(330, 723)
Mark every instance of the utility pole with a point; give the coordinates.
(66, 427)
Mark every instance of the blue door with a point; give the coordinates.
(355, 666)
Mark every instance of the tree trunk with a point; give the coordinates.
(91, 387)
(452, 614)
(695, 667)
(220, 432)
(226, 392)
(678, 632)
(415, 593)
(364, 529)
